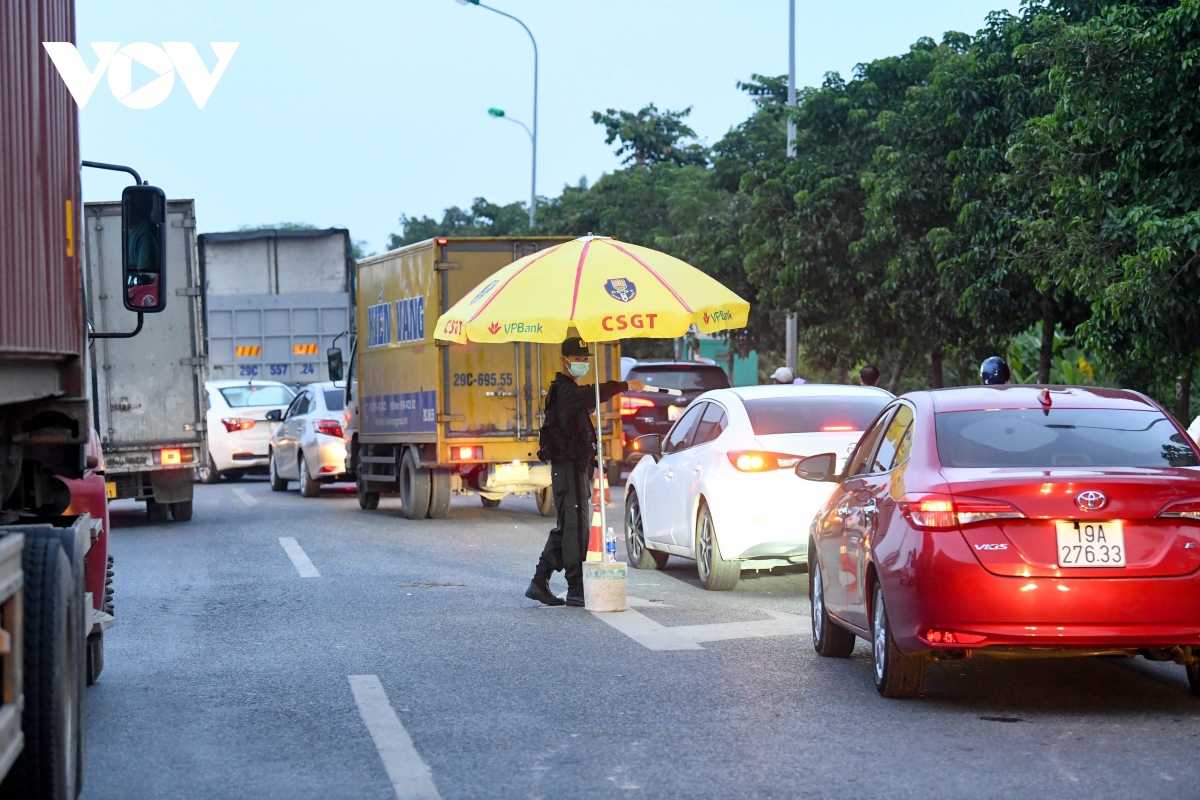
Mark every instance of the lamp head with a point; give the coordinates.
(496, 112)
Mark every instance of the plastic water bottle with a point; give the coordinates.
(610, 545)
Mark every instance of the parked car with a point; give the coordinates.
(1009, 521)
(719, 487)
(238, 428)
(307, 445)
(644, 413)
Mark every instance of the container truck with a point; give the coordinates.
(54, 568)
(275, 300)
(433, 418)
(149, 391)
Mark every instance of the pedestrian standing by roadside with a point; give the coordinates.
(568, 442)
(869, 375)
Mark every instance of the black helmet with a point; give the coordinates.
(994, 371)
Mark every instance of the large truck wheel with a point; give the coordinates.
(439, 493)
(367, 500)
(414, 487)
(182, 511)
(545, 501)
(48, 765)
(95, 657)
(158, 512)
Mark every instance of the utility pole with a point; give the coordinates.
(791, 151)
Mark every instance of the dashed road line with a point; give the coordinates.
(299, 558)
(656, 636)
(410, 776)
(245, 496)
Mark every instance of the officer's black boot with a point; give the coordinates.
(539, 589)
(574, 585)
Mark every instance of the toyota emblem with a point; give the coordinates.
(1091, 500)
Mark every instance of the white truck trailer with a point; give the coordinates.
(148, 392)
(275, 301)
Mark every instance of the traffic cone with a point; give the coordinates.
(595, 538)
(597, 482)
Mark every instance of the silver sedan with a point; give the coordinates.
(307, 445)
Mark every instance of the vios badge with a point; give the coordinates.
(1091, 500)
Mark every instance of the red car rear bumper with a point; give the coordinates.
(944, 588)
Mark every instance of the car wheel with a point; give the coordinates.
(278, 484)
(158, 512)
(1193, 673)
(829, 638)
(308, 487)
(717, 574)
(182, 511)
(209, 473)
(896, 674)
(640, 556)
(414, 487)
(545, 501)
(489, 502)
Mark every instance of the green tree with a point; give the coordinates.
(651, 136)
(481, 219)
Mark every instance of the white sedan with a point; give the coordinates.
(307, 446)
(720, 486)
(238, 428)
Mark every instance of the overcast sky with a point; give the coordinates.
(351, 113)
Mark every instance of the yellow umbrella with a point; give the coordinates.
(605, 289)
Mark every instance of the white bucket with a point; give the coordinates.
(604, 585)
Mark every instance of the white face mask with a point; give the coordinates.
(578, 368)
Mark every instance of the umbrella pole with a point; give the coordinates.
(600, 456)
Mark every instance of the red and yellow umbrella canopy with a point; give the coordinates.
(604, 289)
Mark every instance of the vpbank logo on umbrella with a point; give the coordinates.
(165, 62)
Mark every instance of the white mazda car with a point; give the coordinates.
(720, 486)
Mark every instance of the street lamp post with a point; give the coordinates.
(533, 133)
(498, 113)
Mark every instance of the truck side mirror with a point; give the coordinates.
(144, 248)
(818, 468)
(335, 363)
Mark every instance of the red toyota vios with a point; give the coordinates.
(1009, 521)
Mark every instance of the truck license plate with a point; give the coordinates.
(512, 473)
(110, 490)
(1091, 543)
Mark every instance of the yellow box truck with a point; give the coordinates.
(433, 418)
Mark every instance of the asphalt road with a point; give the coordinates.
(228, 675)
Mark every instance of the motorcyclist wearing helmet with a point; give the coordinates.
(994, 371)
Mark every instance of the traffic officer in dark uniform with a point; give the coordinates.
(568, 442)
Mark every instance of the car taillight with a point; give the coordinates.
(951, 637)
(329, 427)
(758, 461)
(941, 511)
(837, 428)
(1186, 509)
(631, 405)
(237, 424)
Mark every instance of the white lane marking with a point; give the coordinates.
(410, 776)
(655, 636)
(245, 496)
(299, 558)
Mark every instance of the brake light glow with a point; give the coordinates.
(329, 427)
(837, 428)
(757, 461)
(940, 511)
(171, 456)
(474, 453)
(1185, 509)
(951, 637)
(237, 424)
(631, 405)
